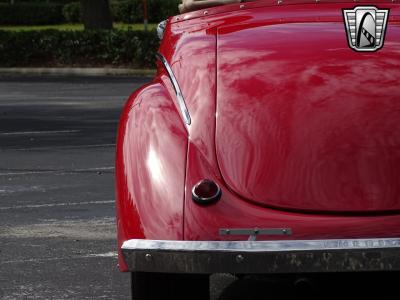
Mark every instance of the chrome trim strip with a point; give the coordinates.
(179, 96)
(262, 257)
(261, 246)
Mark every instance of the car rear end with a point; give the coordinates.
(295, 117)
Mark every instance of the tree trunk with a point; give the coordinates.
(96, 14)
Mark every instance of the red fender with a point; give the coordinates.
(150, 166)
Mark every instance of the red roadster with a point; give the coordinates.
(268, 143)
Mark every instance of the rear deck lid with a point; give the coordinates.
(304, 122)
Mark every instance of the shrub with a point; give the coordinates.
(31, 14)
(38, 1)
(131, 11)
(39, 12)
(72, 12)
(78, 48)
(124, 11)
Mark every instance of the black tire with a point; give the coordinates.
(155, 286)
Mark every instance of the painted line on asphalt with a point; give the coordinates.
(93, 169)
(56, 205)
(38, 132)
(39, 260)
(57, 171)
(63, 147)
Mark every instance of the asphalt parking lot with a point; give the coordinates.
(57, 228)
(57, 216)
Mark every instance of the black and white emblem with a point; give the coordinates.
(366, 27)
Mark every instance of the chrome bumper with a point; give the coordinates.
(262, 257)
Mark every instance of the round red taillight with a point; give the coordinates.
(206, 192)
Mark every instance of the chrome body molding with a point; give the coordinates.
(179, 96)
(262, 257)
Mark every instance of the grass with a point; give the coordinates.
(74, 27)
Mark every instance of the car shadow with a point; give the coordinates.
(314, 286)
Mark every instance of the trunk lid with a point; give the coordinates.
(305, 123)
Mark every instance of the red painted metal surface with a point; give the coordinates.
(150, 166)
(203, 223)
(305, 123)
(298, 130)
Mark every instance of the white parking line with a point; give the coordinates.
(63, 147)
(57, 204)
(38, 132)
(39, 260)
(57, 171)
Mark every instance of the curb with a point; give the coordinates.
(78, 71)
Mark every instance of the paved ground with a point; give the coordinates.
(57, 232)
(57, 226)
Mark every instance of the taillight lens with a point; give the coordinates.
(206, 192)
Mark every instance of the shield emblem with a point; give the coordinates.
(366, 27)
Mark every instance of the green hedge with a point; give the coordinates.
(131, 11)
(31, 14)
(125, 11)
(78, 48)
(38, 1)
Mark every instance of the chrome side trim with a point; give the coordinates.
(179, 96)
(262, 257)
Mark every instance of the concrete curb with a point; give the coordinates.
(78, 71)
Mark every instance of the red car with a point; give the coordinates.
(267, 143)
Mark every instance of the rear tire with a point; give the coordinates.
(155, 286)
